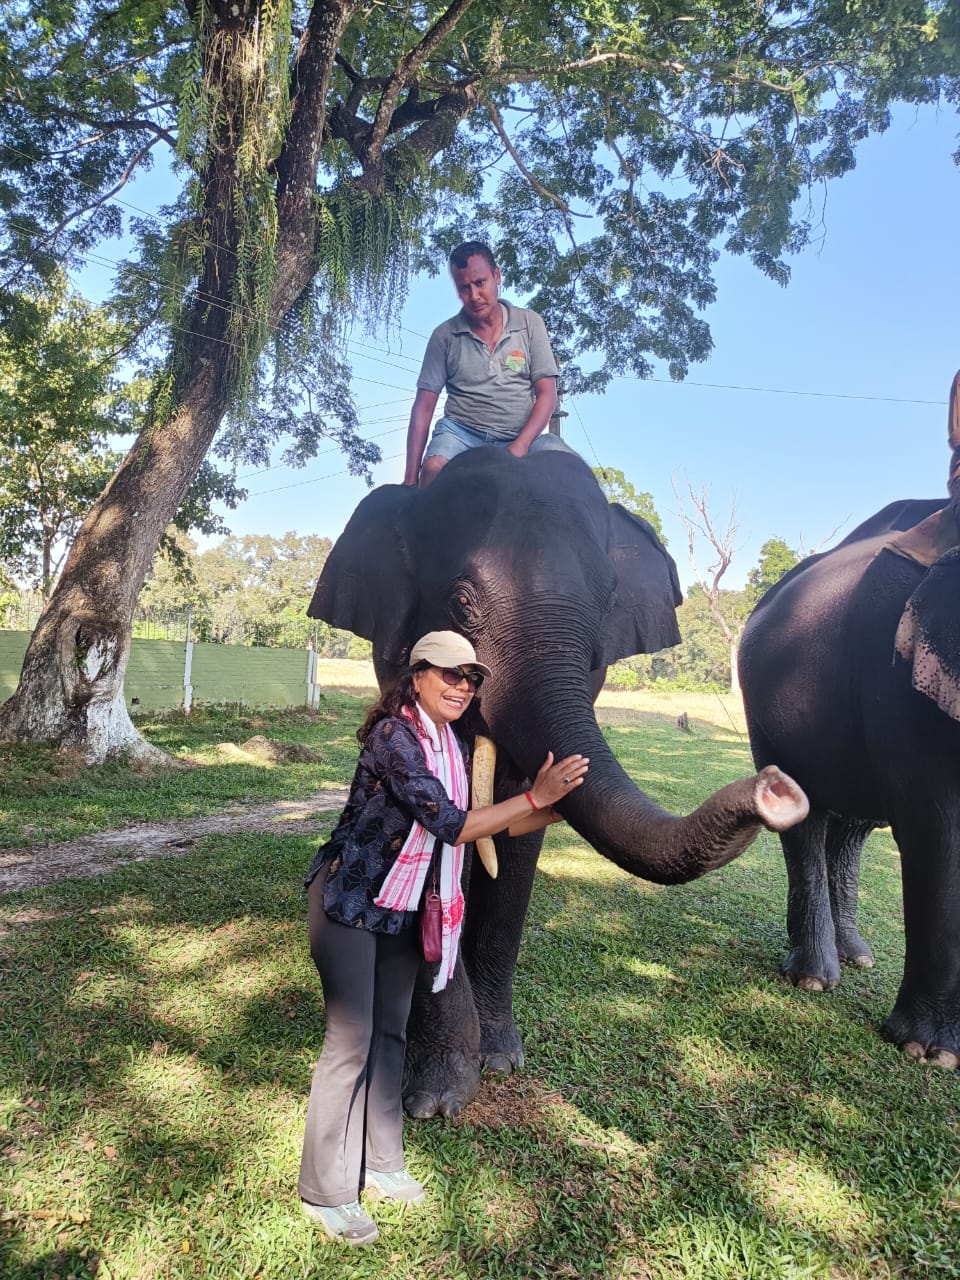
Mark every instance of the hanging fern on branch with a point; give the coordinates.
(235, 103)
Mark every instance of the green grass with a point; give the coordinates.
(683, 1111)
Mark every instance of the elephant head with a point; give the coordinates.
(551, 583)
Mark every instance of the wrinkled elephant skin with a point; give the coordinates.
(551, 583)
(831, 696)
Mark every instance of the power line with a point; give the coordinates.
(778, 391)
(333, 448)
(576, 409)
(332, 475)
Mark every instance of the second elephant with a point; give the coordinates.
(850, 671)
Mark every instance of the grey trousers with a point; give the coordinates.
(355, 1114)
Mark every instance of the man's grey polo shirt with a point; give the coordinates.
(489, 390)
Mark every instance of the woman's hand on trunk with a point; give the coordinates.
(557, 779)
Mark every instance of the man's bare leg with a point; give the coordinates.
(432, 466)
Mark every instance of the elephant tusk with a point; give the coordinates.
(484, 763)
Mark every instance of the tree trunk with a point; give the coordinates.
(46, 567)
(71, 685)
(734, 672)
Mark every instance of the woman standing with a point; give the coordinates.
(408, 804)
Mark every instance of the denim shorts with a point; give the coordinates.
(451, 437)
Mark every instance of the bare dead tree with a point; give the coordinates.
(826, 541)
(700, 528)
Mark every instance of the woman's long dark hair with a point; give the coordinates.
(403, 696)
(393, 702)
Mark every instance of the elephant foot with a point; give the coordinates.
(933, 1058)
(440, 1085)
(925, 1040)
(852, 950)
(809, 973)
(501, 1049)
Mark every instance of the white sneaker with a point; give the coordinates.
(398, 1185)
(346, 1222)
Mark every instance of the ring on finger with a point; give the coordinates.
(566, 782)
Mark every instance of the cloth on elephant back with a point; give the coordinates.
(403, 887)
(926, 634)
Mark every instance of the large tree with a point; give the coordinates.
(321, 149)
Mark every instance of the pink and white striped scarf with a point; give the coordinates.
(403, 886)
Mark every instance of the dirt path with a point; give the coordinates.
(104, 851)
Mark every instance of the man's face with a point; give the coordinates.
(477, 285)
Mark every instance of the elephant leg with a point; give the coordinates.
(925, 1019)
(441, 1069)
(845, 839)
(469, 1024)
(494, 926)
(812, 963)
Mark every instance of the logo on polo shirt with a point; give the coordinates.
(516, 362)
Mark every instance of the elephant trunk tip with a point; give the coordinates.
(780, 802)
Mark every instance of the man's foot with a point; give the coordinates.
(398, 1185)
(346, 1222)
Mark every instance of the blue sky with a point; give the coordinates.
(857, 354)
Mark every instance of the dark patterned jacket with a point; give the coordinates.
(391, 787)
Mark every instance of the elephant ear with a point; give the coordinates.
(366, 585)
(928, 634)
(643, 618)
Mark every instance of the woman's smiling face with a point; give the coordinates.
(442, 702)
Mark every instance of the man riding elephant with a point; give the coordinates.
(495, 363)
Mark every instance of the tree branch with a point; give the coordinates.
(537, 185)
(406, 69)
(436, 132)
(723, 545)
(105, 127)
(720, 72)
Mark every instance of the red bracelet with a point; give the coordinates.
(530, 800)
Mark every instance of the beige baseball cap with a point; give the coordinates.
(446, 649)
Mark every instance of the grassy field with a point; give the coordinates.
(683, 1111)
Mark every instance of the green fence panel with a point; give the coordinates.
(220, 673)
(254, 677)
(154, 678)
(13, 645)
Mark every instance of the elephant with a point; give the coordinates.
(550, 582)
(850, 671)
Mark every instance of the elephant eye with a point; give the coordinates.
(463, 605)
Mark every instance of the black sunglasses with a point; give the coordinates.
(453, 676)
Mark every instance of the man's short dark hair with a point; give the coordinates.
(460, 256)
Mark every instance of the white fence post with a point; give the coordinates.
(188, 669)
(313, 689)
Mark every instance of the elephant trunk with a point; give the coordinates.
(623, 824)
